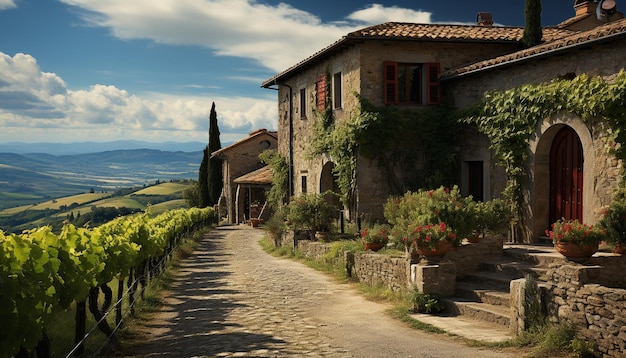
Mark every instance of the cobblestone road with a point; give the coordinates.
(232, 299)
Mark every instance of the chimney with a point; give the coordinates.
(584, 7)
(484, 19)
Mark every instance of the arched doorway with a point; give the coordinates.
(566, 176)
(328, 183)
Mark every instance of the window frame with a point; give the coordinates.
(430, 92)
(303, 106)
(338, 90)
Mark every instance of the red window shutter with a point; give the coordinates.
(432, 80)
(321, 93)
(391, 82)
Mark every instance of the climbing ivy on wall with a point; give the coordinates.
(510, 117)
(394, 138)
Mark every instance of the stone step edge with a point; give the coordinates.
(488, 295)
(480, 311)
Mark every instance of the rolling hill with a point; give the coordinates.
(37, 177)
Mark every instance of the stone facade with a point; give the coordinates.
(602, 170)
(238, 159)
(362, 71)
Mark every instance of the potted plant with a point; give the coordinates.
(431, 240)
(575, 240)
(376, 237)
(313, 213)
(614, 223)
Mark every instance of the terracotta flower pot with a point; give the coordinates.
(575, 251)
(442, 248)
(374, 246)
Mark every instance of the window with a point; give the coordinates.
(320, 88)
(304, 190)
(337, 96)
(411, 83)
(302, 103)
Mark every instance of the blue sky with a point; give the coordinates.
(103, 70)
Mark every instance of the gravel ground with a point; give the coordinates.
(231, 299)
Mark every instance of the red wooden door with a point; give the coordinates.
(566, 176)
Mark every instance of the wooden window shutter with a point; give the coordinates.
(432, 81)
(391, 82)
(321, 93)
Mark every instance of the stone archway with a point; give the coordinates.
(538, 210)
(329, 183)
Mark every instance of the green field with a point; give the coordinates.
(159, 198)
(163, 189)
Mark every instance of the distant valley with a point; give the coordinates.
(34, 177)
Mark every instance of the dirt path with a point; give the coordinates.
(233, 299)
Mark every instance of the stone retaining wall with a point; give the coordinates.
(598, 312)
(381, 270)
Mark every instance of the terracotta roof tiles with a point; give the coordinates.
(424, 32)
(617, 28)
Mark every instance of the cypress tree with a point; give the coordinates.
(215, 180)
(532, 31)
(203, 178)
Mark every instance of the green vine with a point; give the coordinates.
(395, 138)
(510, 117)
(277, 194)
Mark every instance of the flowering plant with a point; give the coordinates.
(430, 236)
(574, 232)
(378, 234)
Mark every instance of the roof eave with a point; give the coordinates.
(535, 56)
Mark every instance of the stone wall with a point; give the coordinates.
(598, 312)
(376, 269)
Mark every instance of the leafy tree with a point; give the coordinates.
(532, 31)
(215, 180)
(277, 195)
(203, 177)
(192, 195)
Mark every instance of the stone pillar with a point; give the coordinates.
(518, 292)
(439, 279)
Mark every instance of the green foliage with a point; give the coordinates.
(575, 232)
(555, 340)
(192, 195)
(203, 179)
(493, 215)
(277, 194)
(426, 303)
(42, 273)
(378, 233)
(311, 212)
(215, 179)
(275, 227)
(534, 315)
(393, 137)
(532, 31)
(415, 211)
(614, 219)
(509, 118)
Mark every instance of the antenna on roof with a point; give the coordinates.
(605, 9)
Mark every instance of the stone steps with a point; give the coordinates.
(485, 295)
(479, 311)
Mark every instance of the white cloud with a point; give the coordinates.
(7, 4)
(377, 14)
(36, 104)
(275, 36)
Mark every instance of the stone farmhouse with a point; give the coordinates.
(246, 179)
(422, 66)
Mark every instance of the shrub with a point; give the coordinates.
(426, 303)
(311, 212)
(431, 207)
